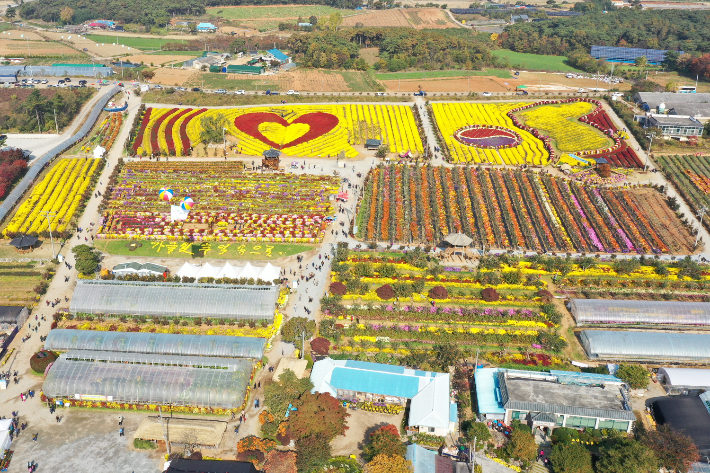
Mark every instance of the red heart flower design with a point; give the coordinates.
(320, 123)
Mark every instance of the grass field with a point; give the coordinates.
(240, 251)
(535, 62)
(17, 281)
(215, 80)
(140, 43)
(278, 12)
(178, 53)
(501, 73)
(200, 99)
(360, 81)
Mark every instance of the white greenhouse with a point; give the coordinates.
(635, 312)
(646, 346)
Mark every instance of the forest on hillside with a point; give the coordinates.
(153, 12)
(688, 31)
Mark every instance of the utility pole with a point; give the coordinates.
(50, 216)
(701, 213)
(650, 135)
(38, 127)
(303, 342)
(162, 424)
(55, 121)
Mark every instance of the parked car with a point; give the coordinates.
(67, 80)
(83, 82)
(487, 94)
(36, 81)
(382, 94)
(293, 92)
(195, 89)
(221, 91)
(60, 81)
(421, 93)
(269, 92)
(45, 81)
(85, 49)
(240, 92)
(157, 86)
(180, 89)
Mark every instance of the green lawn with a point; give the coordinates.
(140, 43)
(280, 11)
(535, 62)
(215, 80)
(178, 53)
(502, 73)
(359, 81)
(241, 251)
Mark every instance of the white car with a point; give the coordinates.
(293, 92)
(157, 86)
(486, 94)
(240, 92)
(45, 81)
(220, 91)
(382, 94)
(617, 94)
(581, 91)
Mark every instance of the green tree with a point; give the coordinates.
(675, 451)
(386, 441)
(335, 20)
(625, 456)
(212, 128)
(313, 20)
(285, 391)
(635, 376)
(293, 330)
(10, 13)
(318, 414)
(312, 453)
(446, 354)
(522, 445)
(571, 457)
(627, 266)
(478, 431)
(66, 14)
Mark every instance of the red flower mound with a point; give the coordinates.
(438, 292)
(490, 295)
(183, 128)
(385, 292)
(487, 137)
(545, 295)
(338, 288)
(319, 124)
(169, 130)
(388, 428)
(154, 143)
(320, 345)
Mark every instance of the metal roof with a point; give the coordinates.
(646, 346)
(376, 382)
(175, 299)
(148, 384)
(675, 121)
(156, 343)
(686, 377)
(613, 53)
(488, 391)
(278, 54)
(595, 311)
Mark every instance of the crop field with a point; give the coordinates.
(133, 42)
(272, 12)
(691, 176)
(12, 48)
(419, 18)
(501, 73)
(327, 81)
(178, 57)
(16, 35)
(447, 84)
(17, 281)
(535, 62)
(105, 47)
(174, 77)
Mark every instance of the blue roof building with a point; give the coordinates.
(428, 392)
(279, 56)
(206, 27)
(428, 461)
(628, 55)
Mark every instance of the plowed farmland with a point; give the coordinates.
(418, 18)
(14, 48)
(448, 84)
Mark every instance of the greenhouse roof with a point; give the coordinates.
(147, 384)
(230, 364)
(156, 343)
(174, 299)
(685, 377)
(651, 346)
(592, 311)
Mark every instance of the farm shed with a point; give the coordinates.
(646, 346)
(203, 432)
(220, 301)
(124, 377)
(684, 380)
(156, 343)
(253, 70)
(625, 312)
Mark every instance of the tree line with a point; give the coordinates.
(155, 12)
(25, 110)
(688, 31)
(399, 48)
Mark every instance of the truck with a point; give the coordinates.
(421, 93)
(269, 92)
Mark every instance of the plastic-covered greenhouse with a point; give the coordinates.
(646, 346)
(156, 343)
(624, 312)
(175, 300)
(131, 381)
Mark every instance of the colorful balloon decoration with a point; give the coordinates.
(187, 203)
(166, 194)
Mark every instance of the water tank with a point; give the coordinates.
(661, 107)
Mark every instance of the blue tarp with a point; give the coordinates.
(486, 387)
(36, 169)
(376, 382)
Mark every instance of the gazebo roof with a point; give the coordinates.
(23, 241)
(272, 153)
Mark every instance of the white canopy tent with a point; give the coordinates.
(265, 273)
(5, 440)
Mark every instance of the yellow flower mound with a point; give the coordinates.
(61, 191)
(452, 116)
(560, 123)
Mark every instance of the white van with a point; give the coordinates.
(145, 88)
